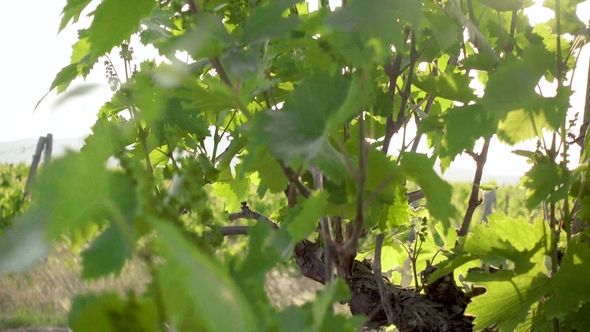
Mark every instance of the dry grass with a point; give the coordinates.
(43, 295)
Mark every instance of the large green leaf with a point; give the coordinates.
(454, 86)
(503, 240)
(459, 129)
(196, 290)
(419, 169)
(266, 21)
(507, 300)
(571, 284)
(110, 250)
(545, 180)
(305, 222)
(114, 21)
(24, 244)
(110, 312)
(72, 11)
(298, 130)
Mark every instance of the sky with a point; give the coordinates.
(33, 52)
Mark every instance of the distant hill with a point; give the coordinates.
(23, 151)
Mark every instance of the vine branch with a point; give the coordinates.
(474, 201)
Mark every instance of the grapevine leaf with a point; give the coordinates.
(299, 129)
(453, 8)
(507, 300)
(88, 187)
(460, 128)
(233, 191)
(196, 290)
(109, 312)
(370, 25)
(453, 86)
(503, 5)
(523, 244)
(359, 94)
(579, 318)
(266, 21)
(114, 21)
(269, 170)
(62, 80)
(91, 312)
(542, 113)
(570, 21)
(109, 252)
(25, 243)
(570, 283)
(336, 290)
(72, 11)
(446, 30)
(398, 214)
(542, 180)
(419, 169)
(536, 320)
(208, 39)
(305, 222)
(261, 257)
(235, 146)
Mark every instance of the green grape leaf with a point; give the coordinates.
(109, 312)
(529, 122)
(419, 169)
(266, 21)
(62, 80)
(107, 254)
(92, 312)
(503, 5)
(542, 181)
(269, 170)
(398, 214)
(359, 94)
(453, 86)
(393, 255)
(578, 319)
(536, 320)
(570, 283)
(110, 250)
(445, 29)
(299, 129)
(235, 146)
(570, 21)
(114, 21)
(88, 188)
(335, 290)
(370, 29)
(25, 243)
(507, 300)
(196, 290)
(525, 245)
(233, 191)
(261, 257)
(209, 38)
(209, 170)
(72, 11)
(453, 8)
(460, 128)
(306, 220)
(207, 98)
